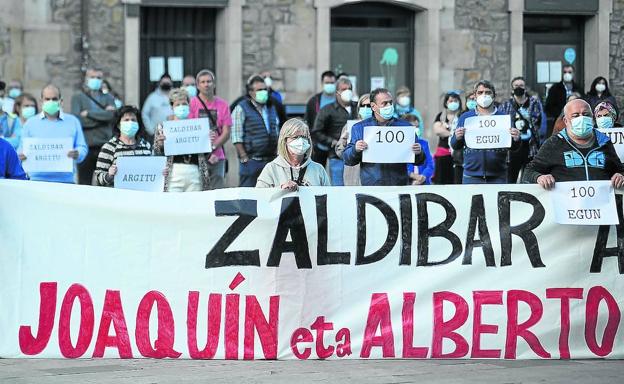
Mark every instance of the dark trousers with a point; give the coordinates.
(443, 173)
(87, 167)
(517, 161)
(320, 156)
(248, 172)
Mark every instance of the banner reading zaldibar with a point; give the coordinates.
(404, 272)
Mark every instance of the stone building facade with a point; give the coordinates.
(453, 43)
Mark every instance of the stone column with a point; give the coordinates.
(516, 35)
(132, 56)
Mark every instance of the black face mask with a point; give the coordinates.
(519, 91)
(166, 87)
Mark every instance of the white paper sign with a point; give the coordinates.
(176, 68)
(141, 173)
(617, 138)
(543, 72)
(488, 132)
(189, 136)
(156, 67)
(48, 154)
(585, 203)
(389, 144)
(555, 71)
(377, 82)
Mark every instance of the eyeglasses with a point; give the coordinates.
(365, 105)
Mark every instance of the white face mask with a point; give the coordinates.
(268, 81)
(484, 101)
(600, 87)
(404, 101)
(567, 77)
(299, 146)
(346, 95)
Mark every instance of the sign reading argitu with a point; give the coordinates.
(398, 273)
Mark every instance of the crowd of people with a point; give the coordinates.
(559, 141)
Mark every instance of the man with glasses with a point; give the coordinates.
(558, 95)
(483, 166)
(53, 123)
(255, 128)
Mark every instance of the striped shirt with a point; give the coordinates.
(111, 151)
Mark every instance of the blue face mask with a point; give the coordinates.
(181, 111)
(471, 104)
(14, 93)
(365, 113)
(582, 126)
(129, 128)
(94, 84)
(192, 90)
(604, 122)
(28, 112)
(387, 112)
(118, 103)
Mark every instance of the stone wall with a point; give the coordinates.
(278, 35)
(483, 26)
(616, 52)
(43, 44)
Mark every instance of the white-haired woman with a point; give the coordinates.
(293, 167)
(187, 173)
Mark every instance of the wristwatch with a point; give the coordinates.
(243, 160)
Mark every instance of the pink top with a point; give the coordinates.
(223, 116)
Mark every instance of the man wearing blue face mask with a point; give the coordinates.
(383, 115)
(314, 105)
(577, 153)
(96, 112)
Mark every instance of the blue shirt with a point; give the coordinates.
(428, 168)
(326, 100)
(66, 125)
(10, 166)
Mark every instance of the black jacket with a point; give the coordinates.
(329, 123)
(556, 99)
(560, 158)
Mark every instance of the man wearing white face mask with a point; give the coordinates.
(329, 123)
(314, 105)
(293, 167)
(558, 94)
(578, 153)
(96, 112)
(483, 166)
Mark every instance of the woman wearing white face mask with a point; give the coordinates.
(352, 173)
(128, 140)
(599, 92)
(443, 127)
(293, 167)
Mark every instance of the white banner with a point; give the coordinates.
(585, 203)
(47, 154)
(389, 144)
(187, 136)
(337, 273)
(141, 173)
(488, 132)
(617, 138)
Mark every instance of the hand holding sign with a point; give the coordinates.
(189, 136)
(489, 132)
(389, 145)
(617, 180)
(585, 203)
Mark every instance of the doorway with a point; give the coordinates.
(177, 41)
(373, 43)
(549, 43)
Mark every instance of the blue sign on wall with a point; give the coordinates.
(570, 55)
